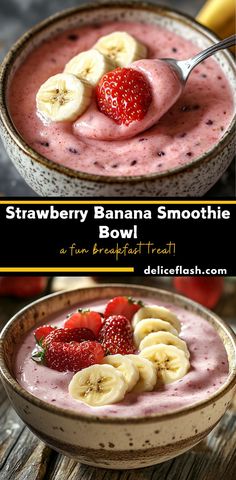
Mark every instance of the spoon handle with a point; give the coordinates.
(188, 65)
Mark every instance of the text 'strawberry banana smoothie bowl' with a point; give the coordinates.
(96, 99)
(123, 357)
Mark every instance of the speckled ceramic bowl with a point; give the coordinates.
(48, 178)
(113, 442)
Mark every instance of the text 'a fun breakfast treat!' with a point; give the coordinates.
(99, 100)
(122, 352)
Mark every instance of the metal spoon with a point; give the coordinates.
(184, 67)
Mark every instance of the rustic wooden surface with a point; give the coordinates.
(24, 457)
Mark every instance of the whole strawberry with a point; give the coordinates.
(116, 336)
(205, 290)
(124, 94)
(73, 356)
(22, 287)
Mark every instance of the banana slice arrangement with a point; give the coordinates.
(156, 311)
(171, 363)
(98, 385)
(150, 325)
(165, 338)
(126, 367)
(121, 48)
(147, 374)
(65, 96)
(89, 66)
(162, 358)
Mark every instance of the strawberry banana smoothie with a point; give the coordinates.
(151, 356)
(115, 109)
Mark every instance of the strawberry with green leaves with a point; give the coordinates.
(67, 349)
(42, 332)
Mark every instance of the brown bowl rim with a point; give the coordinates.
(69, 172)
(67, 413)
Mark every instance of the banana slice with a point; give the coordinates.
(150, 325)
(147, 374)
(98, 385)
(126, 367)
(89, 66)
(121, 48)
(63, 98)
(156, 311)
(164, 337)
(171, 362)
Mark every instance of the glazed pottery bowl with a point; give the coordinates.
(50, 179)
(106, 441)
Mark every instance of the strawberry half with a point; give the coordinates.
(124, 94)
(116, 336)
(42, 332)
(125, 306)
(63, 349)
(85, 318)
(67, 335)
(73, 356)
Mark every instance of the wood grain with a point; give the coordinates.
(23, 457)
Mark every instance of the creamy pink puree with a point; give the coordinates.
(190, 128)
(96, 125)
(209, 370)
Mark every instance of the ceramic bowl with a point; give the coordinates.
(113, 442)
(50, 179)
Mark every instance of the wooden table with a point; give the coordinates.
(24, 457)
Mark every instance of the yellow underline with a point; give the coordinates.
(118, 202)
(66, 269)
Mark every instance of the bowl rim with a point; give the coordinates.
(87, 417)
(18, 47)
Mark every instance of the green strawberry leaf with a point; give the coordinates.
(38, 355)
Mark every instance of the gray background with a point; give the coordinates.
(16, 16)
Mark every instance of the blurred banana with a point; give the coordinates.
(219, 16)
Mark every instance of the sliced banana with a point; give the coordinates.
(156, 311)
(63, 98)
(147, 374)
(98, 385)
(121, 48)
(164, 337)
(89, 66)
(150, 325)
(126, 367)
(171, 362)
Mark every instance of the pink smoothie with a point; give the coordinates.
(95, 125)
(208, 372)
(191, 127)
